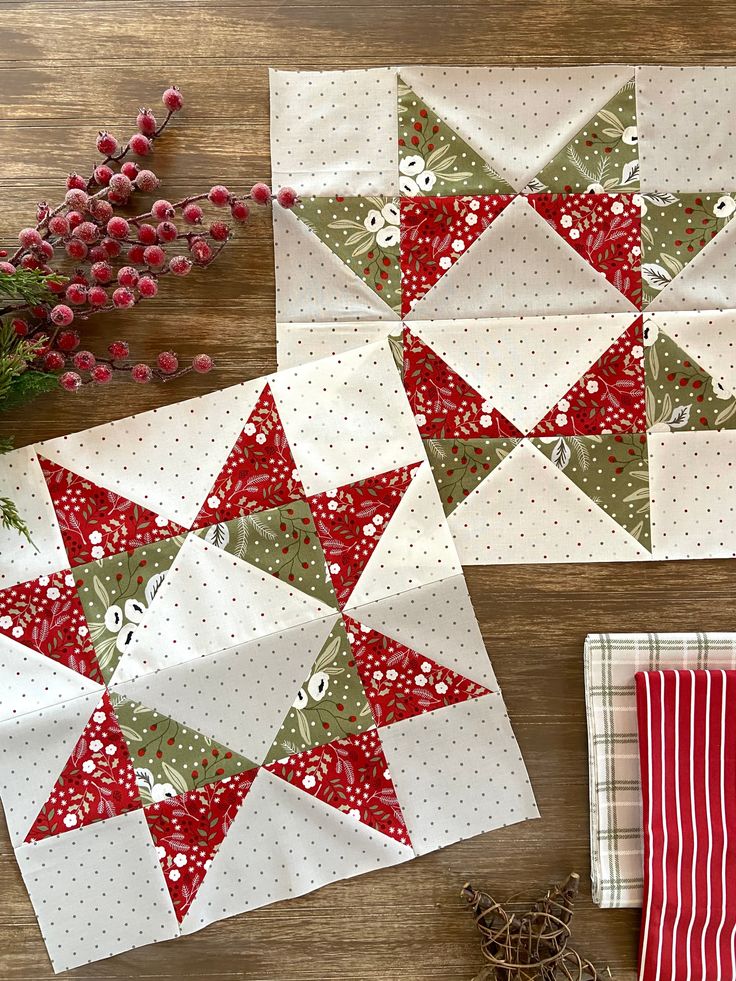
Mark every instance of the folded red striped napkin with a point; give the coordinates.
(687, 745)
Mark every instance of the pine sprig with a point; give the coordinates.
(26, 286)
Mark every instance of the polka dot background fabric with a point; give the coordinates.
(241, 660)
(550, 252)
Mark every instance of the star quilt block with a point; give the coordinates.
(214, 666)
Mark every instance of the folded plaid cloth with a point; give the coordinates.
(611, 661)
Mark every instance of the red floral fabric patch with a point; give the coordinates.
(188, 829)
(435, 233)
(95, 521)
(444, 404)
(97, 781)
(609, 398)
(351, 520)
(605, 229)
(400, 682)
(259, 473)
(46, 615)
(352, 776)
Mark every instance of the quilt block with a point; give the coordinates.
(556, 280)
(243, 626)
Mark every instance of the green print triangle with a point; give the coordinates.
(281, 541)
(330, 704)
(434, 159)
(680, 393)
(603, 154)
(364, 233)
(169, 758)
(674, 229)
(116, 592)
(612, 470)
(459, 466)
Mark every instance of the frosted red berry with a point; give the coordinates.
(154, 256)
(84, 360)
(44, 249)
(56, 287)
(75, 180)
(70, 381)
(100, 210)
(260, 193)
(219, 195)
(192, 213)
(123, 298)
(121, 185)
(240, 211)
(147, 234)
(61, 315)
(166, 231)
(20, 327)
(167, 362)
(106, 143)
(130, 169)
(30, 262)
(127, 276)
(102, 175)
(146, 122)
(28, 237)
(58, 225)
(111, 248)
(76, 294)
(76, 199)
(287, 197)
(219, 231)
(146, 181)
(141, 373)
(101, 373)
(74, 218)
(118, 350)
(96, 296)
(101, 272)
(147, 286)
(202, 363)
(53, 360)
(7, 267)
(162, 210)
(67, 340)
(87, 232)
(118, 227)
(140, 144)
(173, 99)
(180, 265)
(76, 249)
(200, 251)
(136, 253)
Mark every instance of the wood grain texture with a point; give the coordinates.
(68, 68)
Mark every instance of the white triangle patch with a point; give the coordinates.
(707, 282)
(709, 336)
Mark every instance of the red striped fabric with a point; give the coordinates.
(687, 746)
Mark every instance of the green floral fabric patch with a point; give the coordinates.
(330, 704)
(460, 465)
(116, 592)
(282, 541)
(169, 758)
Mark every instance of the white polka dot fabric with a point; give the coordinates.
(198, 678)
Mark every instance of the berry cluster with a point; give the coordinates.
(118, 260)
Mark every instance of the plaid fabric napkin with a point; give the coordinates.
(611, 662)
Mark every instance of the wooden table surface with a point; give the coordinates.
(68, 69)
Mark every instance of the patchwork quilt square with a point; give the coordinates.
(233, 636)
(557, 284)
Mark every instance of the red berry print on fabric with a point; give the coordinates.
(351, 775)
(351, 520)
(188, 829)
(401, 682)
(609, 398)
(444, 404)
(95, 521)
(435, 233)
(97, 782)
(259, 473)
(605, 229)
(46, 615)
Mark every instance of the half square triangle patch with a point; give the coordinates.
(351, 775)
(609, 397)
(364, 233)
(97, 781)
(351, 520)
(330, 704)
(188, 829)
(604, 229)
(435, 233)
(46, 615)
(680, 393)
(401, 682)
(282, 541)
(459, 465)
(612, 470)
(433, 158)
(171, 758)
(259, 472)
(602, 156)
(95, 521)
(443, 403)
(675, 228)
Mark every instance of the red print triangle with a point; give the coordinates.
(351, 520)
(444, 404)
(351, 775)
(95, 521)
(188, 829)
(259, 473)
(605, 229)
(400, 682)
(46, 615)
(97, 781)
(609, 398)
(435, 233)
